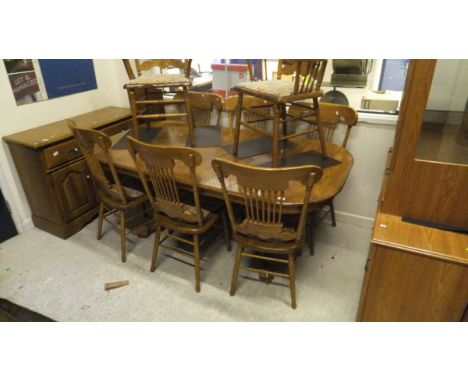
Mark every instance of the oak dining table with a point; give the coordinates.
(174, 134)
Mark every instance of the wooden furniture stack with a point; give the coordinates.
(146, 92)
(308, 76)
(416, 272)
(54, 175)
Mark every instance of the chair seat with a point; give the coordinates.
(159, 80)
(133, 197)
(180, 212)
(131, 193)
(270, 246)
(266, 232)
(185, 227)
(276, 88)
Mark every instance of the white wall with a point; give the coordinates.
(369, 144)
(110, 76)
(357, 202)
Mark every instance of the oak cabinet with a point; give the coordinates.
(417, 268)
(53, 173)
(414, 273)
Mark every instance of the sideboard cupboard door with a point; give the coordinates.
(74, 190)
(410, 287)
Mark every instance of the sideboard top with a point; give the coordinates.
(58, 131)
(391, 231)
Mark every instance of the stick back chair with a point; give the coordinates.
(332, 115)
(114, 197)
(280, 94)
(142, 107)
(204, 107)
(156, 167)
(262, 228)
(257, 115)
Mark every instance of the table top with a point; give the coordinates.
(330, 184)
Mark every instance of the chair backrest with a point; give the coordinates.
(155, 166)
(184, 65)
(128, 69)
(203, 105)
(310, 73)
(88, 140)
(331, 114)
(230, 106)
(263, 192)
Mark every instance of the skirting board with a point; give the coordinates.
(26, 225)
(345, 217)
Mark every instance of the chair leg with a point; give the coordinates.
(157, 235)
(227, 231)
(238, 123)
(292, 279)
(196, 253)
(100, 221)
(235, 271)
(276, 122)
(148, 121)
(332, 212)
(188, 110)
(123, 236)
(285, 128)
(318, 120)
(132, 98)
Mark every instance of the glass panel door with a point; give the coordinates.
(444, 133)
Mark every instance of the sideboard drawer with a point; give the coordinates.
(61, 153)
(117, 128)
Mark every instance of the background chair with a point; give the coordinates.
(308, 75)
(257, 115)
(332, 115)
(154, 87)
(262, 227)
(204, 107)
(206, 112)
(156, 166)
(114, 198)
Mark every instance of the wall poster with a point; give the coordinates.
(37, 80)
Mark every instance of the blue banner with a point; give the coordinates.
(65, 77)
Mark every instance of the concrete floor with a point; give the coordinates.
(64, 280)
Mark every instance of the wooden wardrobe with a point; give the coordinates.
(417, 268)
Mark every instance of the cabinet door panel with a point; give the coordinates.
(74, 189)
(408, 287)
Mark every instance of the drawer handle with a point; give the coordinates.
(74, 150)
(88, 176)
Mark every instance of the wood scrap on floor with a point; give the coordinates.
(115, 284)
